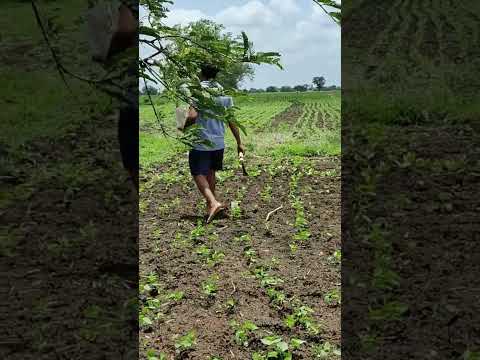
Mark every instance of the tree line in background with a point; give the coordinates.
(318, 84)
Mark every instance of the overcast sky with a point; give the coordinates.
(308, 40)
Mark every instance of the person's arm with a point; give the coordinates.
(236, 135)
(191, 118)
(127, 32)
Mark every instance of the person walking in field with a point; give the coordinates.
(204, 160)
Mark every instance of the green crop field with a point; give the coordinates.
(242, 283)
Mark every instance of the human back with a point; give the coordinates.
(212, 129)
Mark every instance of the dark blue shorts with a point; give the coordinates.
(202, 162)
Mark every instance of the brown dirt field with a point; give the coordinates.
(307, 275)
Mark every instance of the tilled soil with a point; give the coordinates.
(69, 249)
(307, 275)
(289, 116)
(429, 207)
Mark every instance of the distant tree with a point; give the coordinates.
(231, 74)
(151, 89)
(301, 87)
(319, 82)
(286, 89)
(272, 89)
(235, 74)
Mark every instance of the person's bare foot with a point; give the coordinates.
(214, 210)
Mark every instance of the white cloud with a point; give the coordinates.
(184, 16)
(284, 7)
(307, 38)
(253, 14)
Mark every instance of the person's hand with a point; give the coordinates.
(241, 148)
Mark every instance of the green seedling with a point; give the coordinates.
(203, 251)
(332, 298)
(326, 351)
(276, 297)
(368, 342)
(254, 172)
(293, 248)
(144, 321)
(302, 235)
(236, 210)
(274, 262)
(198, 232)
(186, 342)
(211, 257)
(385, 278)
(390, 311)
(150, 286)
(243, 332)
(213, 238)
(176, 296)
(266, 193)
(302, 315)
(278, 348)
(269, 281)
(245, 239)
(336, 258)
(230, 305)
(154, 355)
(215, 258)
(250, 254)
(209, 286)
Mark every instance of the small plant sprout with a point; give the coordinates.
(186, 342)
(302, 315)
(266, 193)
(198, 232)
(230, 305)
(243, 332)
(209, 286)
(277, 297)
(293, 248)
(250, 254)
(333, 297)
(176, 296)
(278, 348)
(236, 210)
(154, 355)
(209, 256)
(245, 239)
(326, 350)
(336, 257)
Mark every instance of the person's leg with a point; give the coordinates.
(204, 187)
(200, 166)
(128, 140)
(211, 180)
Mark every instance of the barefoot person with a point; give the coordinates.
(205, 160)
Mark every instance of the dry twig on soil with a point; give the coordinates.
(273, 212)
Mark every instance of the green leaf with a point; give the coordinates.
(290, 321)
(271, 340)
(282, 346)
(147, 31)
(296, 343)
